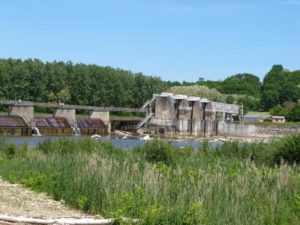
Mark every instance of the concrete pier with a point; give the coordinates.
(26, 112)
(69, 114)
(164, 108)
(103, 115)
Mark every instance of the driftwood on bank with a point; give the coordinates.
(66, 220)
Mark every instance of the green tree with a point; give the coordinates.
(278, 87)
(230, 99)
(243, 83)
(64, 95)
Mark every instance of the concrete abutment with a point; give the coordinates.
(26, 112)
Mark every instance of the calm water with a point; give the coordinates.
(116, 141)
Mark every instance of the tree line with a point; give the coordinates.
(89, 84)
(279, 92)
(83, 84)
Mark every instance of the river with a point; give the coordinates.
(129, 143)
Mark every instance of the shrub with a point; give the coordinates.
(83, 203)
(294, 114)
(158, 151)
(9, 150)
(278, 111)
(286, 149)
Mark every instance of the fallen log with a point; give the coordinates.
(66, 220)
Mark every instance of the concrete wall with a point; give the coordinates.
(164, 108)
(163, 122)
(270, 131)
(236, 129)
(200, 128)
(69, 114)
(25, 112)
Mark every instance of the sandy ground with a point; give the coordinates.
(16, 200)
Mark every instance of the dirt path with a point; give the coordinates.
(16, 200)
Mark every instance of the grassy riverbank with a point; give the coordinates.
(235, 184)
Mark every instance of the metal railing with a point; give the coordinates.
(66, 106)
(149, 102)
(148, 117)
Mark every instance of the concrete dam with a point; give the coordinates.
(166, 115)
(170, 115)
(21, 120)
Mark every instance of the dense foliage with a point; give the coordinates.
(246, 84)
(242, 83)
(75, 83)
(280, 86)
(233, 184)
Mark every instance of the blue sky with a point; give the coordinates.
(176, 40)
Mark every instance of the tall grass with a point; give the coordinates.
(228, 185)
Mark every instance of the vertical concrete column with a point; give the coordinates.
(197, 111)
(224, 116)
(69, 114)
(103, 115)
(164, 108)
(241, 112)
(26, 112)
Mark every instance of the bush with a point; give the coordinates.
(158, 151)
(9, 150)
(278, 111)
(294, 114)
(286, 150)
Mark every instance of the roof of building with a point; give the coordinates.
(90, 123)
(52, 122)
(12, 122)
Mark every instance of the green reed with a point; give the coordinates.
(159, 184)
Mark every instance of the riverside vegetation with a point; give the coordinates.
(232, 184)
